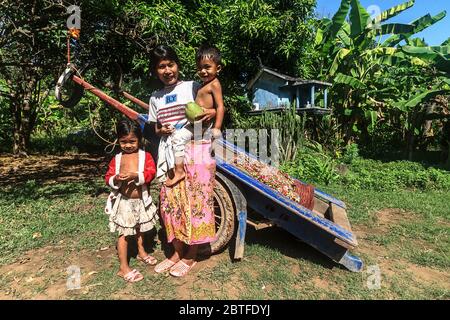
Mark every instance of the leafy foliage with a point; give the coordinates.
(117, 38)
(380, 82)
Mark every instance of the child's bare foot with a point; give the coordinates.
(178, 176)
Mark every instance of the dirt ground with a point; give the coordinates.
(43, 274)
(49, 168)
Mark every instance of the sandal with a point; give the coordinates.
(132, 276)
(181, 268)
(148, 260)
(164, 266)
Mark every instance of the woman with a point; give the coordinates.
(187, 208)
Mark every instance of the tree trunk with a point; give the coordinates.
(410, 143)
(447, 165)
(23, 106)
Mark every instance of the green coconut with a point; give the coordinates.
(193, 111)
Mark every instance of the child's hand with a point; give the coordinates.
(129, 176)
(216, 133)
(208, 114)
(167, 129)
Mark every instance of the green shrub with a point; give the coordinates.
(395, 175)
(351, 153)
(312, 165)
(81, 141)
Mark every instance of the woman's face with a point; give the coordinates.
(167, 71)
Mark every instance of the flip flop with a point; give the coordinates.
(180, 269)
(148, 260)
(132, 276)
(164, 266)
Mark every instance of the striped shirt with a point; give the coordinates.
(168, 105)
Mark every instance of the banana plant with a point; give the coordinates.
(354, 55)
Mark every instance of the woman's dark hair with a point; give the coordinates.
(125, 127)
(163, 52)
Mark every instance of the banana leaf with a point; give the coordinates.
(416, 42)
(419, 25)
(337, 21)
(444, 50)
(338, 60)
(406, 105)
(439, 60)
(319, 37)
(392, 12)
(446, 42)
(348, 80)
(359, 18)
(343, 35)
(393, 28)
(372, 117)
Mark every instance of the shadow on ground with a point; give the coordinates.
(285, 243)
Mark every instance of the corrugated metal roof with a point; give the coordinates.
(296, 81)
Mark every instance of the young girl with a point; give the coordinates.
(187, 207)
(129, 206)
(168, 109)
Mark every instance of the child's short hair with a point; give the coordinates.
(125, 127)
(208, 52)
(163, 52)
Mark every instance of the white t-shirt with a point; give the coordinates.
(168, 105)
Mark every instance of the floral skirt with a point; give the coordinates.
(187, 209)
(130, 214)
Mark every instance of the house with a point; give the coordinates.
(272, 91)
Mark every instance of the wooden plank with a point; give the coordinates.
(320, 207)
(240, 237)
(258, 225)
(344, 244)
(318, 213)
(339, 216)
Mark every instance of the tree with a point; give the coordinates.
(33, 44)
(33, 52)
(28, 50)
(375, 78)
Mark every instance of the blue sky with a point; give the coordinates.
(434, 35)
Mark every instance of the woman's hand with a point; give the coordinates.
(208, 114)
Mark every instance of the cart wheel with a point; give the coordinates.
(67, 92)
(225, 216)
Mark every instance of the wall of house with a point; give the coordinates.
(266, 92)
(305, 96)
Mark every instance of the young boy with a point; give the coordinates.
(209, 96)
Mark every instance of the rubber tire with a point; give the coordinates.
(223, 204)
(77, 90)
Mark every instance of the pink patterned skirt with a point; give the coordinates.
(187, 209)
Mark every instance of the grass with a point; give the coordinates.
(32, 216)
(275, 265)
